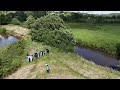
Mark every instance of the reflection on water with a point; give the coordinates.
(96, 56)
(5, 40)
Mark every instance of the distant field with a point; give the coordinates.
(104, 37)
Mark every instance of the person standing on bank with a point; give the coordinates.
(47, 68)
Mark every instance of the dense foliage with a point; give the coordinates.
(20, 15)
(89, 18)
(30, 20)
(11, 57)
(2, 30)
(15, 21)
(36, 14)
(50, 30)
(6, 18)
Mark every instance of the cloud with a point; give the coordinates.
(97, 12)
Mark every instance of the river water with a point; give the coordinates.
(97, 57)
(6, 39)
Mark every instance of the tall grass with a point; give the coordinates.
(11, 57)
(103, 37)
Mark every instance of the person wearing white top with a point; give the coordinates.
(47, 68)
(30, 58)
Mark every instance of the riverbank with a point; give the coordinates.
(102, 37)
(63, 65)
(97, 57)
(16, 30)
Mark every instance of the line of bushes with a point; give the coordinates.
(11, 57)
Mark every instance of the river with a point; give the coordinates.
(98, 57)
(6, 39)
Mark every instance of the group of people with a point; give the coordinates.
(36, 55)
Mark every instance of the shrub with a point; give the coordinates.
(50, 30)
(3, 19)
(2, 30)
(15, 21)
(29, 22)
(50, 22)
(10, 57)
(118, 49)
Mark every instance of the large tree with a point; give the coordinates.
(50, 30)
(36, 14)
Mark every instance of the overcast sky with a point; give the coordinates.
(99, 12)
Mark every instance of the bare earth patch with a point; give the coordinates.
(21, 73)
(18, 31)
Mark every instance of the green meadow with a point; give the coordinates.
(105, 37)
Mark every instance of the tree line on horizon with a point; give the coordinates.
(6, 17)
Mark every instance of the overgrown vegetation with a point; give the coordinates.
(7, 16)
(28, 23)
(89, 18)
(104, 37)
(50, 30)
(2, 30)
(118, 49)
(36, 14)
(11, 57)
(15, 21)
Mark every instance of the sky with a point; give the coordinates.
(98, 12)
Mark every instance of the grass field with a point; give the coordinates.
(103, 37)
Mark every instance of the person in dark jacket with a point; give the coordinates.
(47, 50)
(36, 55)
